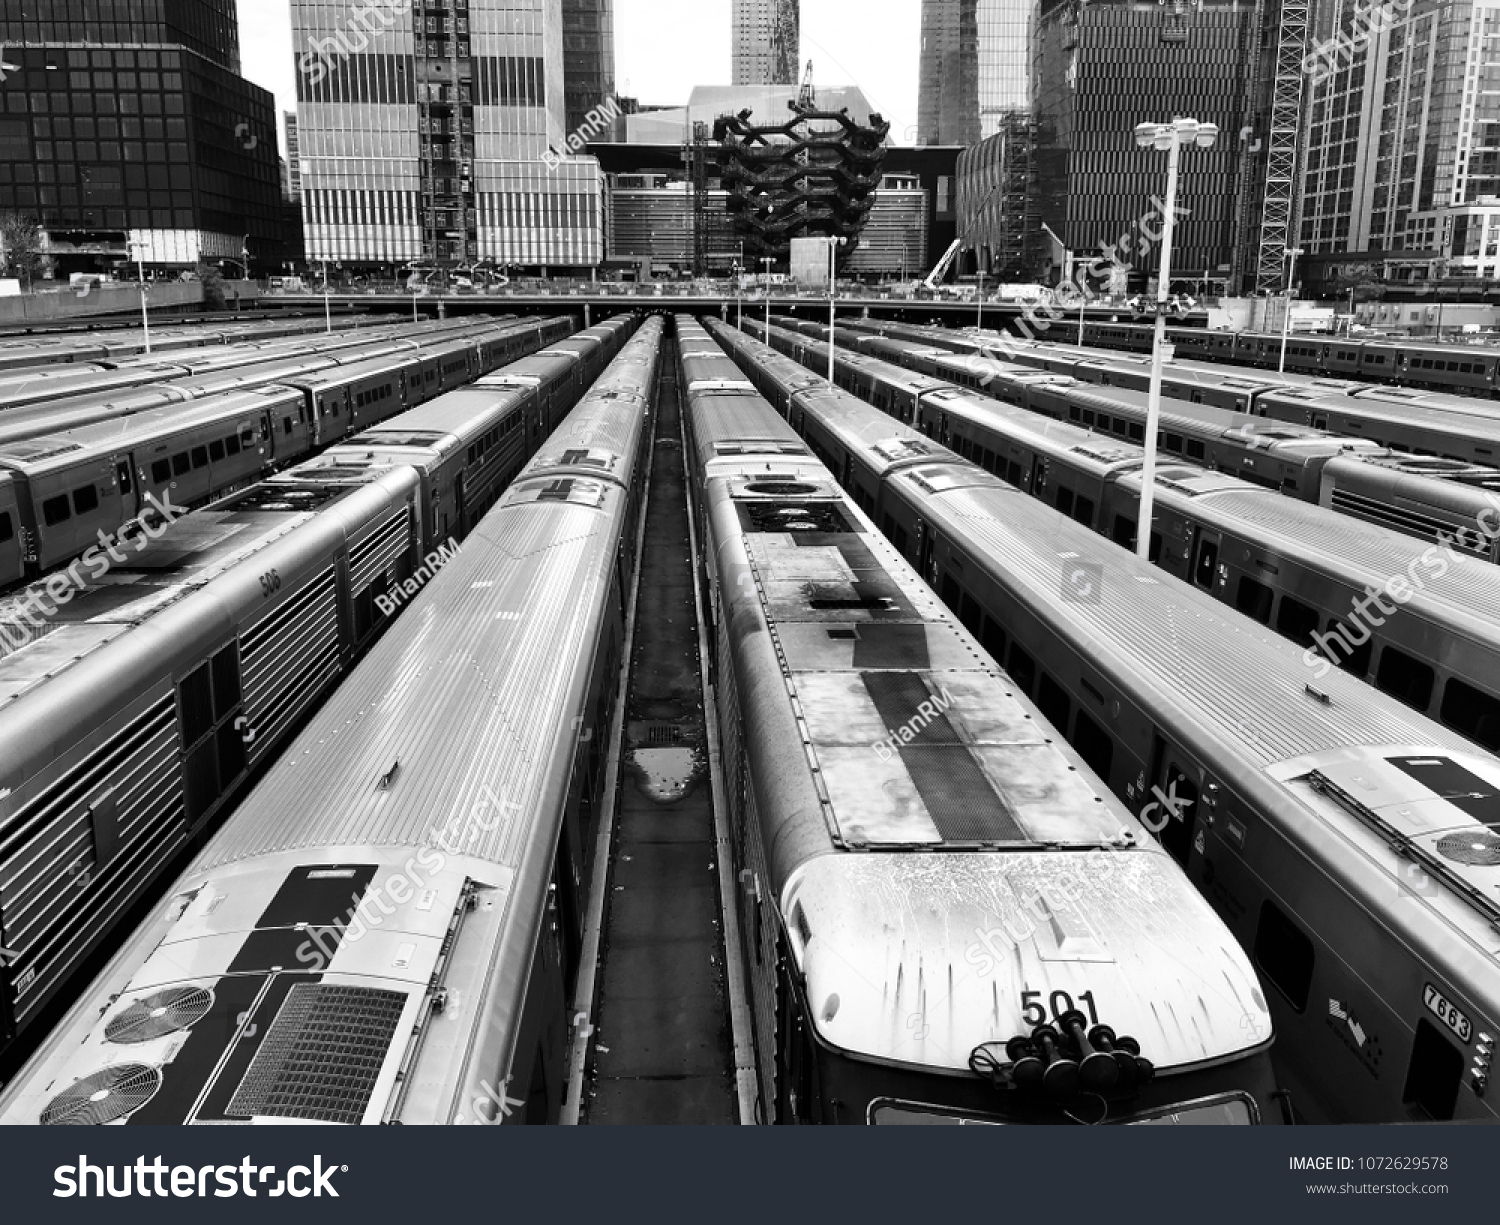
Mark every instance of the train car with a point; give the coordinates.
(1309, 573)
(1400, 493)
(1400, 424)
(460, 802)
(134, 704)
(896, 805)
(469, 444)
(1346, 840)
(12, 560)
(73, 486)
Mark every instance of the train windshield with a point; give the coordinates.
(1229, 1110)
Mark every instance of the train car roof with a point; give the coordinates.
(155, 574)
(1202, 662)
(105, 438)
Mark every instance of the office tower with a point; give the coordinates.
(1099, 69)
(1403, 134)
(128, 133)
(975, 68)
(589, 62)
(767, 41)
(436, 134)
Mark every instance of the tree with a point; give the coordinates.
(213, 287)
(1363, 279)
(21, 248)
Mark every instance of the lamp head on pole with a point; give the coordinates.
(1185, 131)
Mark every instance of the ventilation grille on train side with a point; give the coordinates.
(322, 1056)
(103, 1096)
(158, 1014)
(374, 555)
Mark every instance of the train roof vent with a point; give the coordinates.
(1477, 850)
(797, 517)
(322, 1055)
(104, 1096)
(158, 1014)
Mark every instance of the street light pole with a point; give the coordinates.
(1286, 317)
(833, 244)
(1168, 137)
(140, 271)
(768, 261)
(979, 326)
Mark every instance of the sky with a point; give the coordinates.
(665, 47)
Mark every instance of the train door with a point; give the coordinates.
(794, 1049)
(1207, 572)
(1170, 810)
(925, 545)
(461, 502)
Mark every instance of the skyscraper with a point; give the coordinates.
(129, 132)
(438, 133)
(293, 157)
(1099, 69)
(588, 61)
(767, 41)
(1403, 133)
(975, 68)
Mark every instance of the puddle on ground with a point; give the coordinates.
(665, 774)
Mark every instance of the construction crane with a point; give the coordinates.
(940, 270)
(807, 96)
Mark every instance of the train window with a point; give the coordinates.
(216, 448)
(992, 637)
(1137, 432)
(988, 462)
(232, 445)
(1254, 599)
(1176, 837)
(1083, 511)
(1124, 533)
(1285, 953)
(1013, 473)
(1195, 449)
(1208, 561)
(1065, 499)
(226, 681)
(200, 457)
(1295, 620)
(1075, 413)
(195, 706)
(1094, 745)
(1465, 709)
(1088, 417)
(1022, 668)
(951, 591)
(970, 615)
(7, 531)
(1405, 678)
(161, 471)
(1052, 698)
(1320, 421)
(85, 500)
(1350, 652)
(55, 510)
(1435, 1074)
(287, 426)
(181, 463)
(1154, 553)
(123, 475)
(1173, 442)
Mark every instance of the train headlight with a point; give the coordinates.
(1061, 1061)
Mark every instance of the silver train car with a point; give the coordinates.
(1324, 581)
(400, 892)
(55, 384)
(250, 610)
(301, 370)
(73, 485)
(1349, 843)
(106, 345)
(946, 916)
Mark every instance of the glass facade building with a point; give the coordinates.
(1101, 68)
(437, 133)
(1403, 134)
(975, 70)
(767, 44)
(126, 130)
(589, 63)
